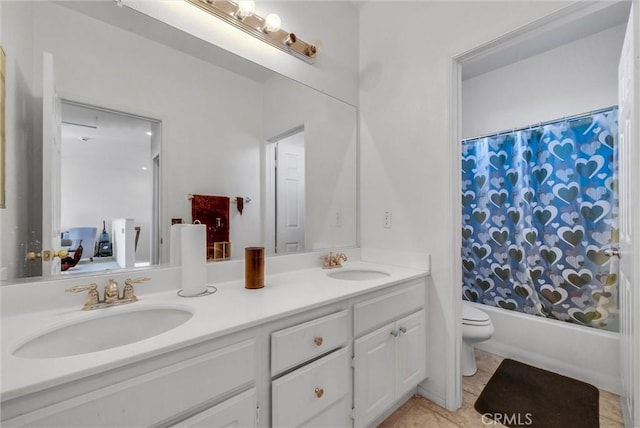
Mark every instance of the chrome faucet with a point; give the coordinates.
(332, 261)
(111, 294)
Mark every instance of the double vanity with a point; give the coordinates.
(314, 347)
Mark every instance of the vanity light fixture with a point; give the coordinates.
(242, 15)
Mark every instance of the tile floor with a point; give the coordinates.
(419, 412)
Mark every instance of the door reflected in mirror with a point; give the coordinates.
(286, 161)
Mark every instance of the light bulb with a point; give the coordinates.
(271, 23)
(246, 8)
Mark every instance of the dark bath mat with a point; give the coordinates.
(520, 395)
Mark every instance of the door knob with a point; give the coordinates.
(611, 252)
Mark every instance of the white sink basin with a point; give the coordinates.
(357, 274)
(103, 332)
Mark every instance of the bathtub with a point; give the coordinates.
(579, 352)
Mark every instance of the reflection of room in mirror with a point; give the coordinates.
(213, 135)
(106, 188)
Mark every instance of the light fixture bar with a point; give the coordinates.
(255, 25)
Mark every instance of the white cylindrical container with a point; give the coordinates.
(175, 244)
(193, 243)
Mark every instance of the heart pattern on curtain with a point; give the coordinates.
(538, 206)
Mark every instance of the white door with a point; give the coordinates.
(411, 352)
(374, 373)
(290, 194)
(629, 187)
(51, 159)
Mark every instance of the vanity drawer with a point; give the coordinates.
(238, 411)
(336, 415)
(378, 311)
(297, 344)
(302, 395)
(153, 397)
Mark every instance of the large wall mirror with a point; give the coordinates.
(149, 115)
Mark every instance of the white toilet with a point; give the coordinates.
(476, 327)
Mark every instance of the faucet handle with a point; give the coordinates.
(127, 291)
(80, 288)
(140, 280)
(92, 296)
(327, 260)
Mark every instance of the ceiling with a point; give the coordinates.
(105, 138)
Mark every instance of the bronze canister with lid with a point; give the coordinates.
(253, 267)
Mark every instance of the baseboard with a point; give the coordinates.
(626, 412)
(607, 383)
(432, 396)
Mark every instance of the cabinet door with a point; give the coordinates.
(238, 411)
(374, 378)
(411, 352)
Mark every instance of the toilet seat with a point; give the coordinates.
(473, 316)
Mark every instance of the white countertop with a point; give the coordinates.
(231, 309)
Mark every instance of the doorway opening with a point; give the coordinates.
(545, 35)
(109, 187)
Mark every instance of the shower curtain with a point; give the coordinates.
(538, 206)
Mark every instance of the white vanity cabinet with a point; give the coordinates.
(180, 387)
(315, 394)
(334, 356)
(391, 360)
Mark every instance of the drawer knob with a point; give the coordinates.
(318, 340)
(394, 333)
(319, 392)
(403, 329)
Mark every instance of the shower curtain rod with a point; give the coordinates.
(548, 122)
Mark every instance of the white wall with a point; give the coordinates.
(333, 26)
(406, 165)
(97, 184)
(16, 220)
(571, 79)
